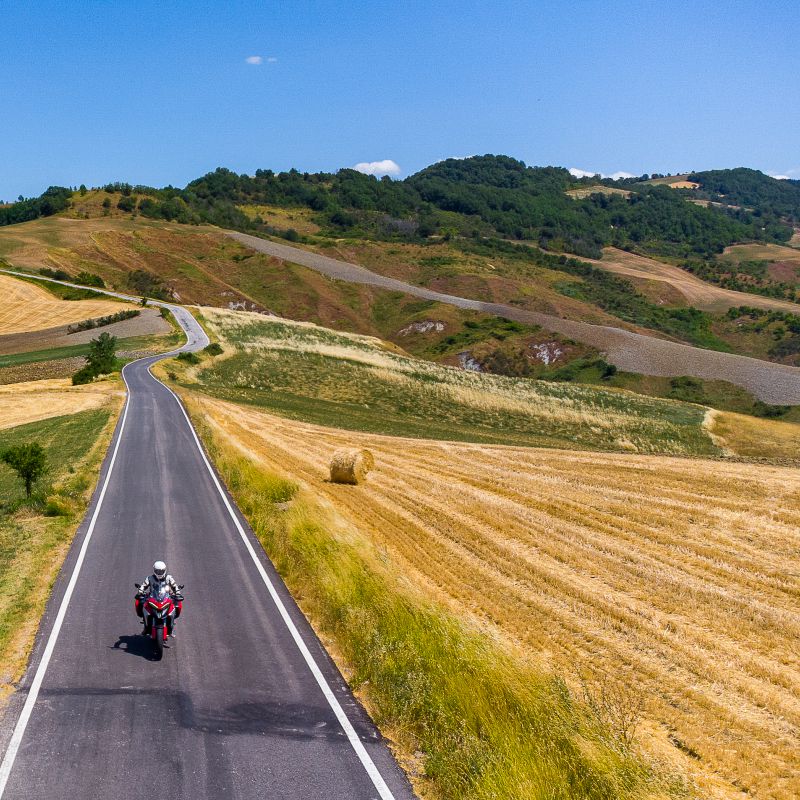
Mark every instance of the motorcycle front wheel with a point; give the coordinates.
(159, 640)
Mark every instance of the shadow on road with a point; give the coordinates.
(136, 645)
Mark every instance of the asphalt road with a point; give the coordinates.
(241, 706)
(633, 352)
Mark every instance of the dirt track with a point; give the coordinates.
(772, 383)
(698, 293)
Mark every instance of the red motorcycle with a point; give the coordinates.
(158, 611)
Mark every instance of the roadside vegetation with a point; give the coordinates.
(470, 720)
(100, 360)
(35, 531)
(356, 382)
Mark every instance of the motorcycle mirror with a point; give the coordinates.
(137, 585)
(181, 585)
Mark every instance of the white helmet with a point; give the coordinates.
(160, 570)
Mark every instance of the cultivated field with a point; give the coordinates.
(21, 403)
(670, 581)
(586, 191)
(27, 307)
(758, 252)
(675, 181)
(696, 292)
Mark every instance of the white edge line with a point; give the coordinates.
(333, 702)
(33, 692)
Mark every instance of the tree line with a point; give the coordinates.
(473, 198)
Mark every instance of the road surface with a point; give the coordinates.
(633, 352)
(246, 702)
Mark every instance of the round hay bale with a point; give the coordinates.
(351, 466)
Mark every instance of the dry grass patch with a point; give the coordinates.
(751, 437)
(27, 307)
(676, 581)
(278, 217)
(587, 191)
(759, 252)
(21, 403)
(694, 291)
(357, 381)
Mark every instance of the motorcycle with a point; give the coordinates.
(158, 611)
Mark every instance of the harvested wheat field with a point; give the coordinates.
(21, 403)
(678, 579)
(698, 293)
(27, 307)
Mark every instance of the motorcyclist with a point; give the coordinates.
(160, 576)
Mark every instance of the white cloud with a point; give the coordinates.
(255, 60)
(385, 167)
(780, 177)
(272, 60)
(582, 173)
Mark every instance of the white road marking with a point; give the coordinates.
(367, 762)
(33, 693)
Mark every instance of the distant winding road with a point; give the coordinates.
(633, 352)
(246, 703)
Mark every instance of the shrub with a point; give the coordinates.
(56, 274)
(99, 322)
(188, 358)
(761, 409)
(57, 506)
(90, 279)
(608, 370)
(213, 349)
(84, 375)
(687, 389)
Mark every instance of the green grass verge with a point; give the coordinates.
(35, 533)
(488, 726)
(315, 374)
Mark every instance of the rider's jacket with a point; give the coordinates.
(151, 581)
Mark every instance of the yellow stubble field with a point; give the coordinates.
(674, 580)
(21, 403)
(26, 307)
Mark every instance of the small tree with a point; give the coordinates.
(28, 461)
(102, 357)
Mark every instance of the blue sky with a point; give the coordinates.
(157, 93)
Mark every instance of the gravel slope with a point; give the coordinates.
(633, 352)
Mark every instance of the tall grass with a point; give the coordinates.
(348, 381)
(489, 725)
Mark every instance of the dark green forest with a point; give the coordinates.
(767, 196)
(475, 198)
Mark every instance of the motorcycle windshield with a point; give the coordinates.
(159, 591)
